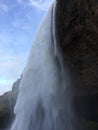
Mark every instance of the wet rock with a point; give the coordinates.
(77, 36)
(7, 103)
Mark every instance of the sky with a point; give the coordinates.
(19, 21)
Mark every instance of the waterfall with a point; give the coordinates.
(43, 100)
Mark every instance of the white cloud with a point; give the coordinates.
(13, 43)
(5, 87)
(41, 4)
(11, 63)
(21, 23)
(5, 38)
(4, 7)
(11, 66)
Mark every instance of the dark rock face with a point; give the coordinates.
(7, 103)
(77, 36)
(87, 107)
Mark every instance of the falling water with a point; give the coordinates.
(43, 101)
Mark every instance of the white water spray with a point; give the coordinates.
(42, 102)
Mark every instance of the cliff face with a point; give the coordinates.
(77, 29)
(7, 103)
(77, 35)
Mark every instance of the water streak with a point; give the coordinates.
(43, 102)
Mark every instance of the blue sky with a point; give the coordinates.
(19, 20)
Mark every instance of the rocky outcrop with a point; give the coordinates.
(7, 103)
(77, 36)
